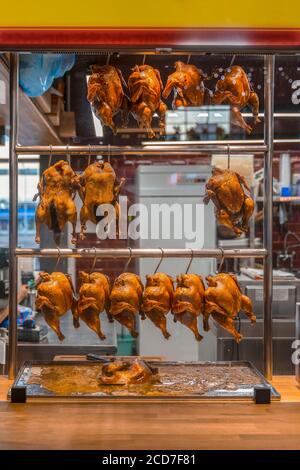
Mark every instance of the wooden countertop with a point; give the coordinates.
(153, 425)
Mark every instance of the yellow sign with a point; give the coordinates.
(151, 13)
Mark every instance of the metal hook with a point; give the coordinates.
(144, 59)
(94, 260)
(222, 259)
(89, 160)
(109, 151)
(190, 262)
(160, 261)
(68, 154)
(108, 59)
(228, 156)
(189, 58)
(129, 259)
(58, 258)
(232, 60)
(50, 155)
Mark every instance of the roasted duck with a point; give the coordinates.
(235, 90)
(232, 206)
(187, 83)
(158, 298)
(56, 190)
(188, 301)
(145, 88)
(122, 372)
(223, 301)
(126, 300)
(98, 185)
(105, 93)
(55, 296)
(93, 298)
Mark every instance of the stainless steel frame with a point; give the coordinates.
(265, 148)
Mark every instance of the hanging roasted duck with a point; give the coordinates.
(55, 297)
(233, 207)
(223, 301)
(94, 298)
(188, 301)
(98, 185)
(145, 88)
(126, 300)
(56, 190)
(106, 95)
(122, 372)
(188, 86)
(158, 298)
(235, 90)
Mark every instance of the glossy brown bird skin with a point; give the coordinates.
(122, 372)
(188, 86)
(94, 298)
(235, 90)
(98, 185)
(158, 299)
(105, 93)
(233, 206)
(223, 301)
(188, 301)
(56, 190)
(145, 88)
(55, 296)
(126, 300)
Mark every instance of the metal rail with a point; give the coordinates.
(138, 253)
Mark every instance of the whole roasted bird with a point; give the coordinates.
(122, 372)
(235, 90)
(145, 88)
(126, 300)
(105, 93)
(98, 185)
(188, 86)
(233, 207)
(158, 299)
(188, 301)
(93, 298)
(56, 190)
(223, 301)
(55, 296)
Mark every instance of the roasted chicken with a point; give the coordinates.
(223, 301)
(158, 299)
(145, 88)
(188, 301)
(98, 185)
(56, 190)
(105, 93)
(93, 298)
(235, 90)
(122, 372)
(55, 296)
(187, 83)
(126, 300)
(233, 207)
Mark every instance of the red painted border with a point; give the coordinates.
(26, 38)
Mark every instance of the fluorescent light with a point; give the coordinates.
(172, 114)
(202, 115)
(218, 115)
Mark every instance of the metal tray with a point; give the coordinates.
(65, 380)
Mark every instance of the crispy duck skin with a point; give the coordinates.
(188, 301)
(157, 300)
(145, 88)
(56, 190)
(94, 298)
(98, 185)
(126, 300)
(55, 296)
(122, 372)
(223, 301)
(105, 93)
(188, 86)
(233, 206)
(235, 90)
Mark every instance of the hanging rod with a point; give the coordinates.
(176, 149)
(138, 253)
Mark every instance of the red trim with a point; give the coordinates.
(25, 38)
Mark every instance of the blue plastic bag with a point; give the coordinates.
(38, 71)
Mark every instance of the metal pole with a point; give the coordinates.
(13, 215)
(268, 213)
